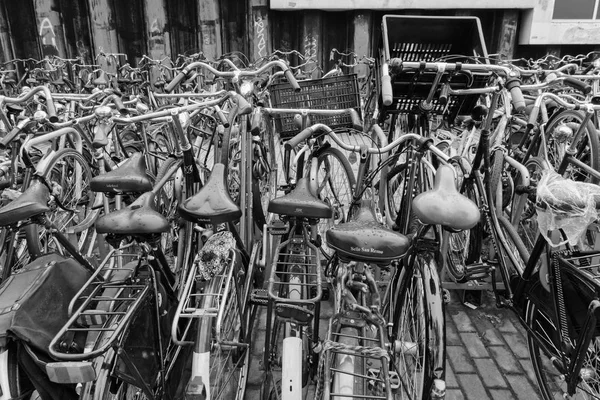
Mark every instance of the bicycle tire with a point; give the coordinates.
(226, 381)
(419, 323)
(335, 186)
(589, 149)
(550, 381)
(464, 247)
(15, 382)
(72, 188)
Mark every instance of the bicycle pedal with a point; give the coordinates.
(259, 297)
(298, 314)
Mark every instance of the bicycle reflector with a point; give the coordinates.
(71, 372)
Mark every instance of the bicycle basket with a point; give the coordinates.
(335, 93)
(428, 39)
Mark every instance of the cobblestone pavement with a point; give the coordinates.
(487, 355)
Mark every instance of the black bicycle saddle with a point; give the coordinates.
(300, 202)
(139, 218)
(365, 239)
(31, 202)
(443, 205)
(129, 177)
(213, 203)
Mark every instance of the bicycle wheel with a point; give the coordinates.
(559, 131)
(228, 362)
(551, 382)
(464, 247)
(419, 329)
(14, 383)
(335, 186)
(68, 174)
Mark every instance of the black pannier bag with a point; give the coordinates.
(34, 301)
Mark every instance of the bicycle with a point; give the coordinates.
(222, 287)
(364, 322)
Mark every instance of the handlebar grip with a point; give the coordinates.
(578, 85)
(386, 90)
(356, 122)
(292, 80)
(222, 117)
(173, 84)
(120, 106)
(9, 137)
(514, 86)
(303, 135)
(255, 122)
(444, 91)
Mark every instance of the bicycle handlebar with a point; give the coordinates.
(576, 105)
(578, 85)
(14, 132)
(356, 122)
(178, 110)
(233, 74)
(513, 81)
(47, 95)
(310, 131)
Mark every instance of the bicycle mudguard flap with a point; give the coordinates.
(34, 300)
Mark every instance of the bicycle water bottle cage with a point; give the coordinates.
(139, 218)
(300, 202)
(33, 202)
(129, 177)
(213, 203)
(365, 239)
(443, 205)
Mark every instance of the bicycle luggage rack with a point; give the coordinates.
(335, 93)
(302, 263)
(104, 305)
(190, 304)
(429, 39)
(377, 382)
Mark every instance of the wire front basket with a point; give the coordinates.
(335, 93)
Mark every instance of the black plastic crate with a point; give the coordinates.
(335, 93)
(429, 39)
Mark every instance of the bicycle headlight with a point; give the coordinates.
(246, 88)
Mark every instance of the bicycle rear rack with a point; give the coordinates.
(343, 380)
(190, 304)
(106, 306)
(295, 281)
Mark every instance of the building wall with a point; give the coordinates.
(159, 28)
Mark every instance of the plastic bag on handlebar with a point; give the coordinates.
(565, 204)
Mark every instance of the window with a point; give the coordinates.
(575, 9)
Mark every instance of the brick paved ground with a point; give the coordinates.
(487, 355)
